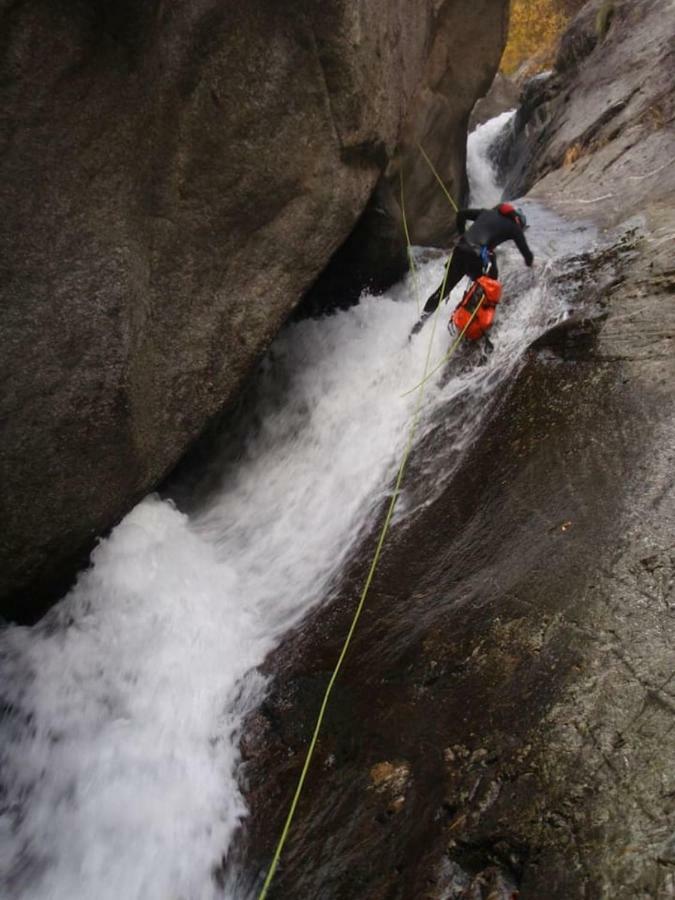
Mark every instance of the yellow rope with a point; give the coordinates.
(383, 533)
(445, 278)
(411, 261)
(452, 349)
(371, 572)
(438, 178)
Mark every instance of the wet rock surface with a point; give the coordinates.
(516, 653)
(596, 136)
(502, 96)
(456, 73)
(173, 180)
(515, 661)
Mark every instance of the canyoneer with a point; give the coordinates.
(474, 256)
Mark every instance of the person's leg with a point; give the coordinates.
(472, 264)
(456, 271)
(493, 269)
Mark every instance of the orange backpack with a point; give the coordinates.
(483, 294)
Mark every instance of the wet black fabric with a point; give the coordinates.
(464, 261)
(491, 228)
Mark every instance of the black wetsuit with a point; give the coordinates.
(490, 229)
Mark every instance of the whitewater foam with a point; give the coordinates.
(483, 183)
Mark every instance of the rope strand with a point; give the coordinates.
(378, 550)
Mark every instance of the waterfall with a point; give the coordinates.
(124, 705)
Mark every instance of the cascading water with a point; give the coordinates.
(483, 182)
(123, 706)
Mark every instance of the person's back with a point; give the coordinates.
(473, 253)
(492, 228)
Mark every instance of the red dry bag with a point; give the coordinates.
(487, 290)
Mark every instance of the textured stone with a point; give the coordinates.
(464, 54)
(602, 125)
(173, 177)
(502, 96)
(459, 70)
(518, 647)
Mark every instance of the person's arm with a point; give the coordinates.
(465, 214)
(522, 245)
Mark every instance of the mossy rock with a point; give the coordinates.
(604, 18)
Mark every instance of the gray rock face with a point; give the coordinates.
(459, 70)
(602, 124)
(517, 658)
(502, 96)
(172, 178)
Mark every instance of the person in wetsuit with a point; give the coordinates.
(474, 253)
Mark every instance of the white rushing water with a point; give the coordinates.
(123, 706)
(483, 184)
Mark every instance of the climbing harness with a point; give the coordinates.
(380, 543)
(485, 257)
(463, 323)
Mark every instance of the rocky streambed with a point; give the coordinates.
(504, 723)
